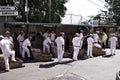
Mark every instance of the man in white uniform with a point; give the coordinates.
(113, 43)
(96, 37)
(8, 36)
(20, 39)
(81, 37)
(6, 47)
(46, 44)
(45, 35)
(60, 46)
(26, 44)
(52, 36)
(90, 42)
(76, 46)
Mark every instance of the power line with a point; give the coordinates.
(78, 16)
(96, 4)
(102, 1)
(80, 19)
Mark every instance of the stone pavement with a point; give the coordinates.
(97, 68)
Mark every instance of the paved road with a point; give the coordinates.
(97, 68)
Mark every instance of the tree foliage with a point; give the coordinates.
(6, 2)
(98, 16)
(114, 10)
(39, 10)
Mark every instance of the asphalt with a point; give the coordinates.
(96, 68)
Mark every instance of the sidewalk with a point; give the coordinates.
(97, 68)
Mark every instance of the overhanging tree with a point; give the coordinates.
(114, 10)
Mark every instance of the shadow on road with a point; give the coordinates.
(54, 64)
(107, 56)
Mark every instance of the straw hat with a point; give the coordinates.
(7, 32)
(113, 34)
(76, 34)
(91, 35)
(1, 36)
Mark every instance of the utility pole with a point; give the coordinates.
(49, 5)
(26, 10)
(6, 18)
(111, 14)
(80, 21)
(70, 18)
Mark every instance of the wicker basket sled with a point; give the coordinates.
(17, 64)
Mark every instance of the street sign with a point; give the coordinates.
(7, 7)
(9, 13)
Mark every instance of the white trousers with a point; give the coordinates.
(81, 43)
(75, 53)
(89, 50)
(112, 49)
(20, 47)
(6, 59)
(46, 48)
(60, 54)
(25, 49)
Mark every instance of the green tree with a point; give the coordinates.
(39, 10)
(98, 16)
(6, 2)
(58, 10)
(114, 10)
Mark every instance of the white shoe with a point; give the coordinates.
(14, 60)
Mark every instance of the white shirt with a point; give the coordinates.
(45, 35)
(97, 45)
(59, 41)
(5, 46)
(96, 37)
(47, 41)
(20, 38)
(90, 41)
(26, 43)
(113, 41)
(9, 38)
(76, 41)
(52, 36)
(81, 35)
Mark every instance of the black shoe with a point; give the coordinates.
(7, 71)
(113, 54)
(75, 59)
(91, 56)
(30, 58)
(60, 63)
